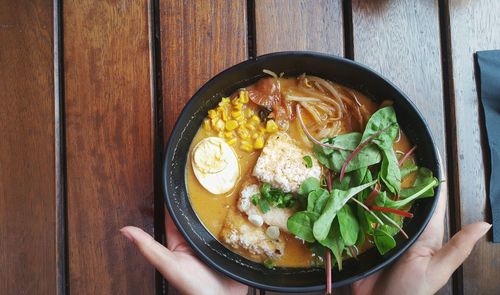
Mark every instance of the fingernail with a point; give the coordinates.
(126, 234)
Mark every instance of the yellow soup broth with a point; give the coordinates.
(212, 209)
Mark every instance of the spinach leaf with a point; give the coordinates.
(389, 171)
(381, 119)
(382, 199)
(335, 243)
(383, 241)
(408, 168)
(358, 176)
(321, 202)
(422, 191)
(424, 177)
(390, 229)
(364, 194)
(364, 223)
(342, 185)
(349, 226)
(338, 198)
(301, 224)
(360, 240)
(313, 197)
(334, 159)
(309, 185)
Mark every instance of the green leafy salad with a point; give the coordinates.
(359, 199)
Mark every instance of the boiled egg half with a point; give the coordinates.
(215, 165)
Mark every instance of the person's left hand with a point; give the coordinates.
(179, 265)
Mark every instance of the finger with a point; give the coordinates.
(453, 254)
(159, 256)
(173, 237)
(433, 234)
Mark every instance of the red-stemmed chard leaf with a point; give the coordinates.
(406, 156)
(392, 210)
(373, 195)
(358, 149)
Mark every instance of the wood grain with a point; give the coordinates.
(401, 40)
(473, 27)
(300, 25)
(108, 107)
(27, 153)
(197, 41)
(283, 25)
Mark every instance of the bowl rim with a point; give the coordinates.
(313, 288)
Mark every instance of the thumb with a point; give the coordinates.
(154, 252)
(454, 253)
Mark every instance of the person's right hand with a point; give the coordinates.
(179, 265)
(427, 265)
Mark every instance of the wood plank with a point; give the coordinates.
(282, 25)
(109, 141)
(401, 40)
(197, 41)
(473, 27)
(27, 152)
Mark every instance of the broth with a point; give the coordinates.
(212, 209)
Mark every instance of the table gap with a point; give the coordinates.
(454, 214)
(161, 285)
(60, 155)
(348, 29)
(251, 42)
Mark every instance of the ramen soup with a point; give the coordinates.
(288, 168)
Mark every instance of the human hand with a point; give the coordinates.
(179, 265)
(427, 265)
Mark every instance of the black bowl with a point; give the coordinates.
(340, 70)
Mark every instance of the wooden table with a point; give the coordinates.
(89, 91)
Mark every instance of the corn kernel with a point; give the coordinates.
(206, 124)
(219, 125)
(258, 143)
(250, 127)
(244, 96)
(248, 113)
(212, 114)
(255, 135)
(228, 134)
(220, 134)
(246, 146)
(222, 113)
(231, 141)
(236, 114)
(243, 133)
(271, 126)
(225, 116)
(231, 125)
(255, 119)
